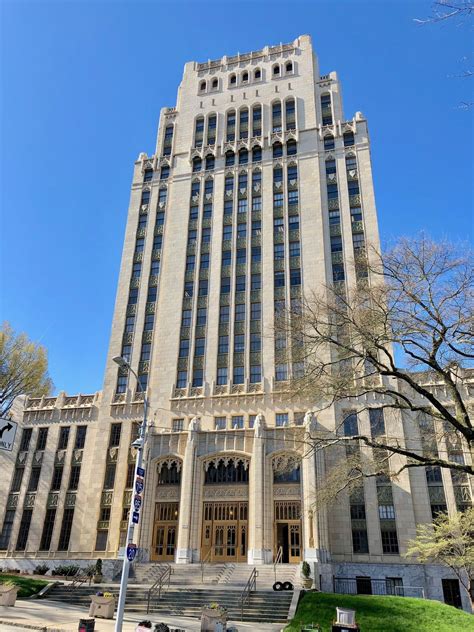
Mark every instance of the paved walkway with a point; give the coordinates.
(33, 614)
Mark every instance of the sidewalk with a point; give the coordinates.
(33, 614)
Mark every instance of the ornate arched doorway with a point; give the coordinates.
(287, 534)
(225, 509)
(165, 526)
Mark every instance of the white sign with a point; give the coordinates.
(7, 434)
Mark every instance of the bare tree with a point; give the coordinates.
(23, 368)
(402, 337)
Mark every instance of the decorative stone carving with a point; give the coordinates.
(285, 463)
(259, 425)
(309, 422)
(30, 499)
(286, 491)
(226, 491)
(194, 427)
(225, 459)
(169, 461)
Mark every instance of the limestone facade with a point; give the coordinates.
(259, 190)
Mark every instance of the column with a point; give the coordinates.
(257, 554)
(183, 549)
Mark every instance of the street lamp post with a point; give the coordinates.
(139, 443)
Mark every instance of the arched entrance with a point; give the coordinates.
(287, 530)
(225, 522)
(165, 526)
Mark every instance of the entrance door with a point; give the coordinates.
(165, 532)
(288, 531)
(224, 533)
(364, 586)
(452, 593)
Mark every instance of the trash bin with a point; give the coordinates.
(86, 625)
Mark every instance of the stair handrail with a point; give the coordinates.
(278, 558)
(157, 587)
(204, 561)
(250, 586)
(79, 580)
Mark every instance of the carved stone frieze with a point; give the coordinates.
(226, 491)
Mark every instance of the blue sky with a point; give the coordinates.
(82, 85)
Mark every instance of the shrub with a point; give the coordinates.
(90, 570)
(98, 567)
(41, 569)
(66, 569)
(306, 570)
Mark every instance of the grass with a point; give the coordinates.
(27, 585)
(381, 614)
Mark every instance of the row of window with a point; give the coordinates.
(42, 438)
(245, 77)
(329, 141)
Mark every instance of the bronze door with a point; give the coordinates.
(287, 531)
(224, 533)
(165, 532)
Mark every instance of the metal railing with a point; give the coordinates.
(165, 577)
(250, 586)
(79, 580)
(278, 558)
(205, 561)
(367, 586)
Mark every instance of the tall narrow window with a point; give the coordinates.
(290, 114)
(276, 117)
(244, 123)
(230, 129)
(66, 527)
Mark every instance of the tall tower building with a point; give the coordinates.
(259, 192)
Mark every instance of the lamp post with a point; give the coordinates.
(139, 443)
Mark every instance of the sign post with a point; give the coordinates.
(7, 434)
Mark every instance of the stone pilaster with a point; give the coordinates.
(184, 549)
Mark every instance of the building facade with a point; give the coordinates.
(259, 191)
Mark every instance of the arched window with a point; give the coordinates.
(164, 172)
(289, 476)
(226, 471)
(215, 83)
(276, 70)
(290, 114)
(168, 140)
(277, 150)
(202, 86)
(276, 117)
(257, 154)
(211, 129)
(348, 139)
(244, 123)
(169, 474)
(329, 142)
(232, 80)
(243, 157)
(257, 120)
(289, 67)
(197, 164)
(230, 130)
(229, 158)
(330, 166)
(199, 131)
(245, 77)
(291, 147)
(195, 187)
(210, 162)
(257, 74)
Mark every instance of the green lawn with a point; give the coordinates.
(27, 585)
(382, 614)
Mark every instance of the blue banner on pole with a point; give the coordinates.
(137, 502)
(139, 485)
(140, 471)
(131, 551)
(135, 517)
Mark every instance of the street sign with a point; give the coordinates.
(7, 434)
(137, 502)
(140, 471)
(135, 517)
(131, 551)
(139, 485)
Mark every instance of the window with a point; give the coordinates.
(145, 198)
(162, 197)
(257, 120)
(126, 352)
(202, 86)
(289, 67)
(80, 437)
(348, 139)
(136, 270)
(195, 188)
(230, 133)
(256, 203)
(293, 198)
(295, 249)
(239, 343)
(279, 279)
(277, 175)
(241, 255)
(199, 347)
(149, 322)
(256, 282)
(256, 254)
(192, 236)
(198, 377)
(164, 172)
(333, 192)
(143, 381)
(295, 276)
(386, 512)
(186, 318)
(66, 527)
(25, 439)
(281, 419)
(227, 232)
(63, 437)
(277, 200)
(242, 206)
(220, 423)
(197, 164)
(240, 283)
(178, 425)
(190, 262)
(48, 526)
(57, 478)
(433, 474)
(101, 539)
(255, 374)
(281, 372)
(242, 181)
(360, 542)
(338, 272)
(209, 186)
(256, 228)
(215, 83)
(255, 311)
(232, 80)
(241, 231)
(291, 148)
(148, 175)
(255, 342)
(377, 423)
(276, 70)
(229, 158)
(204, 265)
(74, 477)
(257, 154)
(243, 157)
(34, 479)
(245, 77)
(109, 478)
(330, 167)
(279, 251)
(353, 187)
(222, 375)
(225, 285)
(228, 207)
(240, 312)
(224, 314)
(115, 432)
(277, 150)
(24, 529)
(356, 214)
(238, 375)
(142, 221)
(42, 437)
(7, 529)
(151, 296)
(329, 142)
(188, 289)
(237, 422)
(184, 348)
(389, 542)
(334, 217)
(206, 236)
(182, 379)
(121, 384)
(201, 316)
(278, 225)
(223, 346)
(139, 245)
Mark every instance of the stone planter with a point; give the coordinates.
(102, 607)
(306, 583)
(213, 620)
(97, 579)
(8, 595)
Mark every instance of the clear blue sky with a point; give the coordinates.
(82, 86)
